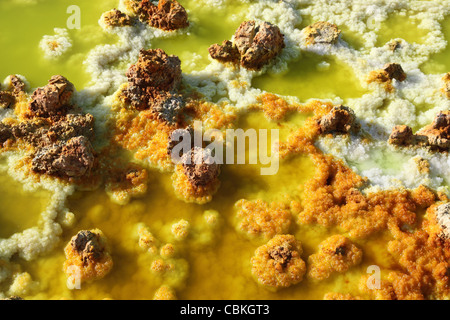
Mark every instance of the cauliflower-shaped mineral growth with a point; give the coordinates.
(278, 263)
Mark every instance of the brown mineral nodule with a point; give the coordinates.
(72, 125)
(394, 45)
(154, 71)
(86, 244)
(258, 43)
(168, 106)
(401, 135)
(116, 18)
(278, 263)
(340, 119)
(53, 99)
(72, 159)
(200, 167)
(322, 32)
(226, 52)
(168, 15)
(33, 132)
(437, 134)
(281, 254)
(87, 257)
(5, 133)
(17, 84)
(7, 100)
(395, 71)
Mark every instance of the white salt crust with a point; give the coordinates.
(54, 46)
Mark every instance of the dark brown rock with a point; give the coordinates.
(41, 132)
(116, 18)
(7, 100)
(226, 52)
(168, 15)
(5, 133)
(53, 99)
(87, 244)
(340, 251)
(199, 166)
(17, 84)
(154, 72)
(258, 43)
(395, 71)
(340, 119)
(72, 159)
(401, 135)
(437, 134)
(281, 254)
(33, 132)
(72, 125)
(168, 106)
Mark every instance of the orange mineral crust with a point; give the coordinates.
(87, 257)
(259, 218)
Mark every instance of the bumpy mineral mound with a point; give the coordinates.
(322, 32)
(154, 72)
(200, 167)
(438, 132)
(385, 75)
(53, 99)
(168, 106)
(7, 100)
(87, 256)
(73, 159)
(168, 15)
(56, 135)
(340, 119)
(9, 97)
(116, 18)
(435, 135)
(254, 45)
(401, 135)
(17, 85)
(336, 254)
(278, 264)
(225, 52)
(395, 71)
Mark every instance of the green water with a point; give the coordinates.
(440, 62)
(306, 79)
(19, 209)
(27, 24)
(399, 26)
